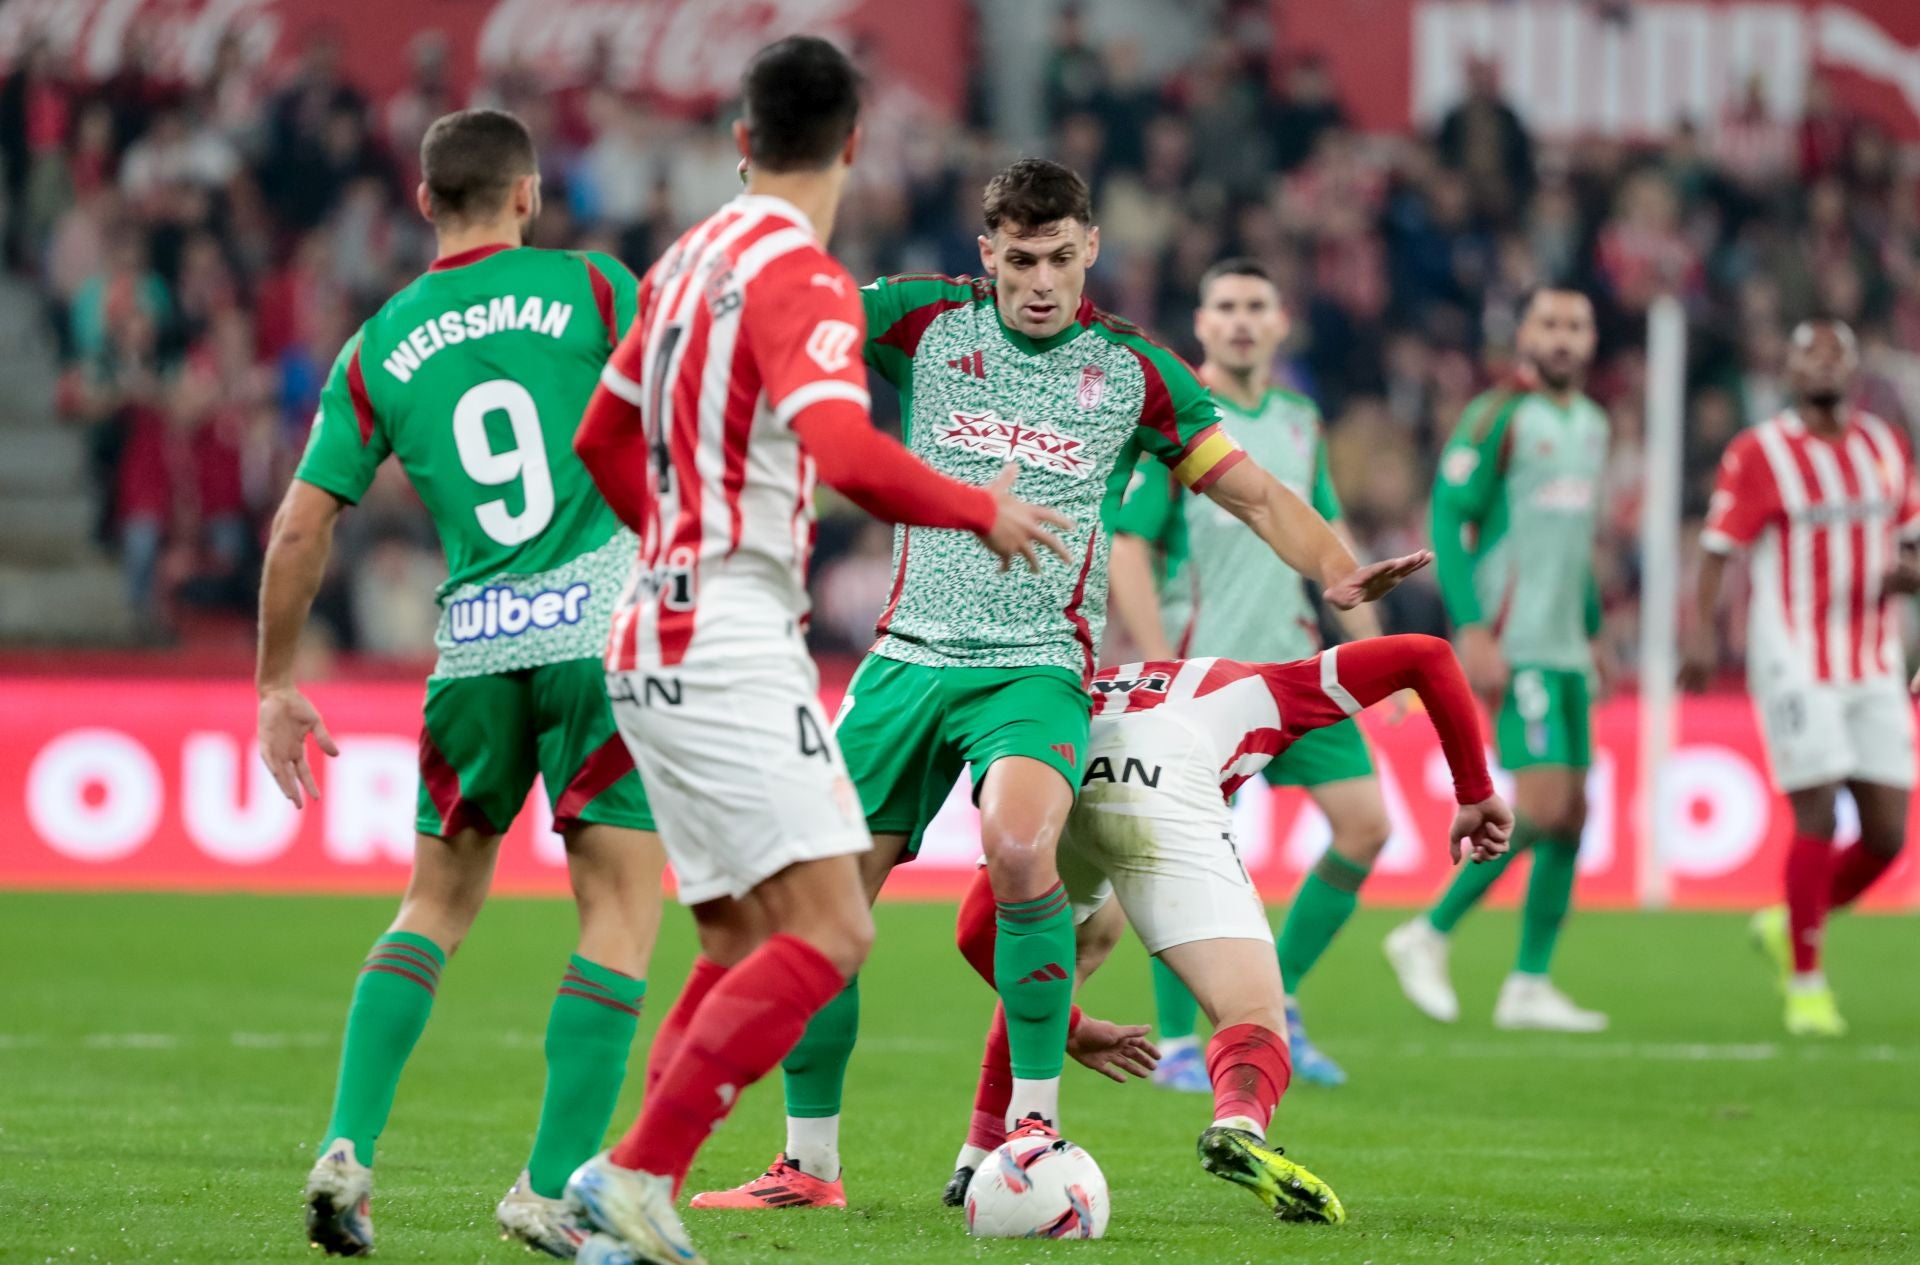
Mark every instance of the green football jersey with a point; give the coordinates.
(475, 377)
(1222, 590)
(1515, 511)
(1075, 412)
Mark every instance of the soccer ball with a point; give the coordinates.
(1034, 1188)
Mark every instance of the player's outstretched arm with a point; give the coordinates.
(296, 563)
(1368, 671)
(1304, 541)
(877, 473)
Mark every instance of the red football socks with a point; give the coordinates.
(988, 1128)
(673, 1029)
(1854, 871)
(1809, 880)
(751, 1019)
(1250, 1068)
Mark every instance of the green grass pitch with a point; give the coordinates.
(165, 1062)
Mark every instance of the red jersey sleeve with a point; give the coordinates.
(1347, 679)
(806, 327)
(1745, 497)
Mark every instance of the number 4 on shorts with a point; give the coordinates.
(813, 741)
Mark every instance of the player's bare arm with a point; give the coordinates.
(1135, 599)
(1700, 654)
(1304, 541)
(296, 562)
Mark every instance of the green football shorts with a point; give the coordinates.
(1546, 720)
(485, 738)
(906, 731)
(1337, 753)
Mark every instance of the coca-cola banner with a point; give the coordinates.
(1633, 70)
(686, 53)
(155, 784)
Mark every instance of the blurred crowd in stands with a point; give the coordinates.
(202, 250)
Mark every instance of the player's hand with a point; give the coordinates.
(1375, 580)
(286, 718)
(1480, 830)
(1486, 669)
(1017, 527)
(1606, 670)
(1116, 1051)
(1904, 577)
(1699, 660)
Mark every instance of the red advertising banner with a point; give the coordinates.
(1576, 67)
(672, 53)
(155, 784)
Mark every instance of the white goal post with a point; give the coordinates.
(1659, 584)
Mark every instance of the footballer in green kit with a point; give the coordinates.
(985, 669)
(1515, 510)
(474, 378)
(1216, 590)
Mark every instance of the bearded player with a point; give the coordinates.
(1514, 513)
(739, 384)
(1220, 592)
(1824, 497)
(1171, 743)
(474, 378)
(985, 669)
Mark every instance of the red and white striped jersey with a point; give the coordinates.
(1824, 519)
(1248, 712)
(743, 323)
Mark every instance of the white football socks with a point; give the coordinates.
(1034, 1096)
(813, 1144)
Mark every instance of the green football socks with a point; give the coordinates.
(1033, 973)
(816, 1069)
(391, 1002)
(1549, 892)
(1321, 907)
(1473, 880)
(589, 1038)
(1176, 1013)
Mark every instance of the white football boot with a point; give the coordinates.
(1532, 1002)
(634, 1207)
(339, 1197)
(545, 1225)
(1419, 957)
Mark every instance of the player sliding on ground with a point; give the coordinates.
(1515, 507)
(474, 378)
(1171, 742)
(1219, 591)
(983, 669)
(1824, 496)
(740, 382)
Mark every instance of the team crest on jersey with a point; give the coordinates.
(1037, 445)
(1093, 387)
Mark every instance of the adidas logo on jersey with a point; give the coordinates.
(974, 366)
(501, 612)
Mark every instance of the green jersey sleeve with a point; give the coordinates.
(1179, 422)
(1472, 467)
(347, 443)
(1149, 508)
(899, 309)
(1326, 501)
(626, 289)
